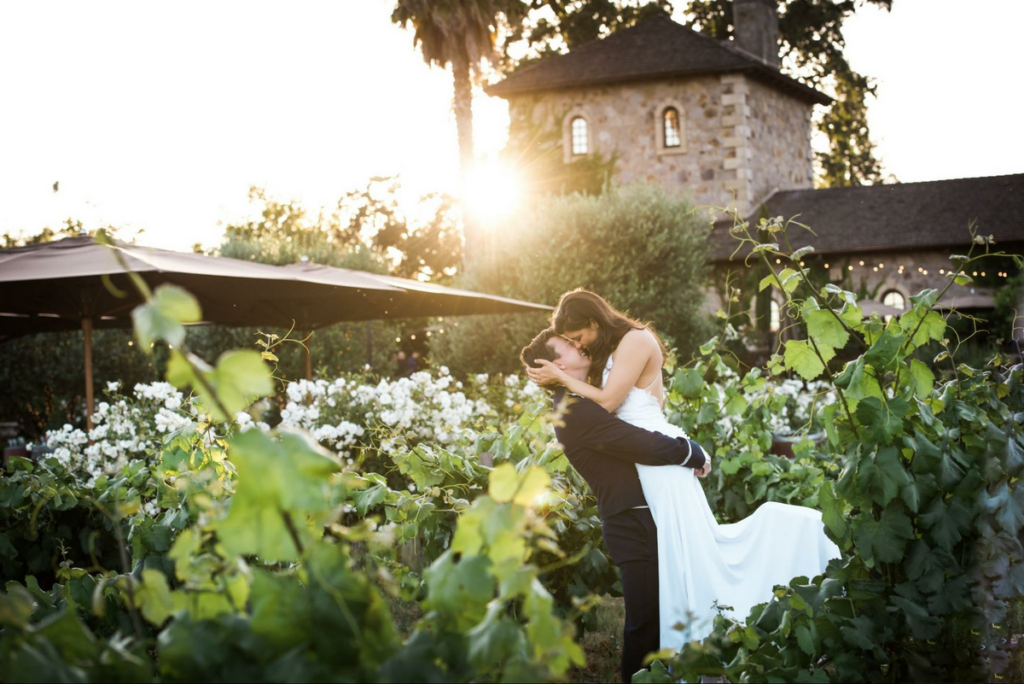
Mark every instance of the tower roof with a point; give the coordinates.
(655, 49)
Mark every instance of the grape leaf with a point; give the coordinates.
(688, 382)
(831, 510)
(882, 476)
(922, 624)
(800, 357)
(825, 328)
(933, 326)
(922, 379)
(275, 478)
(882, 420)
(884, 539)
(885, 351)
(161, 318)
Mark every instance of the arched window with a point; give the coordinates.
(895, 299)
(670, 120)
(774, 322)
(579, 136)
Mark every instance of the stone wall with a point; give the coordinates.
(780, 156)
(741, 139)
(623, 121)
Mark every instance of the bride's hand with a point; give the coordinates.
(705, 469)
(547, 374)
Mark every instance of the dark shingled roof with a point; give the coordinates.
(904, 216)
(654, 49)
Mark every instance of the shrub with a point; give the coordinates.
(637, 246)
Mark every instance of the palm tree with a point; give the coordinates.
(460, 33)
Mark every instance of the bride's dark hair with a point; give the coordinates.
(577, 309)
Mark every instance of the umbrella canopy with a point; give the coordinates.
(56, 285)
(406, 298)
(62, 285)
(62, 281)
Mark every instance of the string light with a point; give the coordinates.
(862, 263)
(881, 265)
(826, 265)
(982, 274)
(398, 339)
(850, 267)
(778, 261)
(875, 269)
(412, 337)
(942, 271)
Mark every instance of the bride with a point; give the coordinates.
(701, 564)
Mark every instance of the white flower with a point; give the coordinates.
(114, 386)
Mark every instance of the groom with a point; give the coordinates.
(604, 449)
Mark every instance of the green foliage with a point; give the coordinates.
(250, 575)
(926, 506)
(631, 245)
(566, 26)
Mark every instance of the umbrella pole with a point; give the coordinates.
(309, 359)
(369, 343)
(87, 335)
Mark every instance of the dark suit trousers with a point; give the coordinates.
(632, 541)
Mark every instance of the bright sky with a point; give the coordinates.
(161, 117)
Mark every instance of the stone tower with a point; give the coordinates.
(713, 119)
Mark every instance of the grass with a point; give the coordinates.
(1014, 625)
(603, 646)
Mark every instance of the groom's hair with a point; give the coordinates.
(539, 349)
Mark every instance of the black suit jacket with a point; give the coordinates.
(605, 449)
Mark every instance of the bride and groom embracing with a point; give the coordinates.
(677, 562)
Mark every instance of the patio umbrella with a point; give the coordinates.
(60, 286)
(407, 298)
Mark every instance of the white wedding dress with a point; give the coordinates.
(700, 561)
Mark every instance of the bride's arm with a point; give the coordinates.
(630, 359)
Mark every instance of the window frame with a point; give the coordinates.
(568, 155)
(575, 138)
(659, 124)
(893, 290)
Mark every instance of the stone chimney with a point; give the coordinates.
(756, 24)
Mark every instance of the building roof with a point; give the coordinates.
(903, 216)
(655, 49)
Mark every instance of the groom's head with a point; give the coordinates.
(551, 346)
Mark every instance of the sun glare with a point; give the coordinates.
(492, 191)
